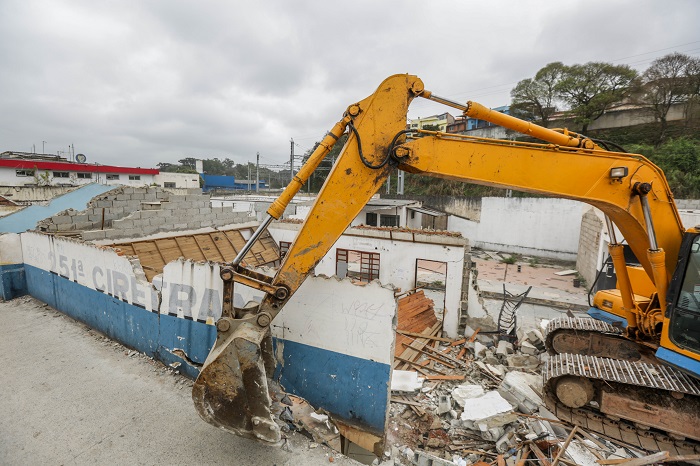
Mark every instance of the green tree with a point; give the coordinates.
(535, 98)
(678, 158)
(668, 81)
(592, 88)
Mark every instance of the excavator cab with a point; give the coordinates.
(681, 347)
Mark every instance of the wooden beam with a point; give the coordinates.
(422, 335)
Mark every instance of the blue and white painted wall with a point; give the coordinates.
(334, 339)
(12, 279)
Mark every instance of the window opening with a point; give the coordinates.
(388, 220)
(284, 248)
(359, 265)
(371, 219)
(431, 276)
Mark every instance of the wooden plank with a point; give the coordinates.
(538, 453)
(216, 246)
(422, 335)
(412, 364)
(405, 402)
(565, 446)
(445, 377)
(473, 337)
(435, 358)
(410, 352)
(458, 342)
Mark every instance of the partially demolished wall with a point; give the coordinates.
(128, 212)
(334, 339)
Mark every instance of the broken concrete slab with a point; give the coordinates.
(517, 388)
(504, 348)
(462, 393)
(485, 412)
(528, 348)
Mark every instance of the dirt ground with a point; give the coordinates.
(533, 271)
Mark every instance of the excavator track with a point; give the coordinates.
(584, 335)
(649, 406)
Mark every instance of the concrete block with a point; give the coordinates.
(123, 198)
(138, 196)
(157, 221)
(110, 233)
(61, 219)
(149, 214)
(123, 223)
(94, 235)
(405, 381)
(517, 388)
(105, 204)
(528, 348)
(444, 404)
(83, 226)
(180, 226)
(504, 348)
(422, 458)
(522, 361)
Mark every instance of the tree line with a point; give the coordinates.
(586, 91)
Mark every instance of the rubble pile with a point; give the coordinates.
(478, 400)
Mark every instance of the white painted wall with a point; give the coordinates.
(95, 267)
(181, 180)
(10, 249)
(397, 259)
(327, 313)
(542, 227)
(8, 177)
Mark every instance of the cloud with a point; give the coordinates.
(137, 83)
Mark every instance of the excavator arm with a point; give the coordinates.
(232, 390)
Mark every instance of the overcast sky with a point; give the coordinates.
(141, 82)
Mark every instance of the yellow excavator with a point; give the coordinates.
(630, 373)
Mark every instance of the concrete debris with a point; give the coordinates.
(444, 404)
(517, 389)
(462, 393)
(479, 401)
(405, 381)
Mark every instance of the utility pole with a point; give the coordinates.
(43, 143)
(291, 161)
(257, 173)
(399, 188)
(248, 176)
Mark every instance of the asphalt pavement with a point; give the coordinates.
(70, 396)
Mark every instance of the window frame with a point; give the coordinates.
(370, 264)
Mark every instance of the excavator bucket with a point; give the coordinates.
(232, 390)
